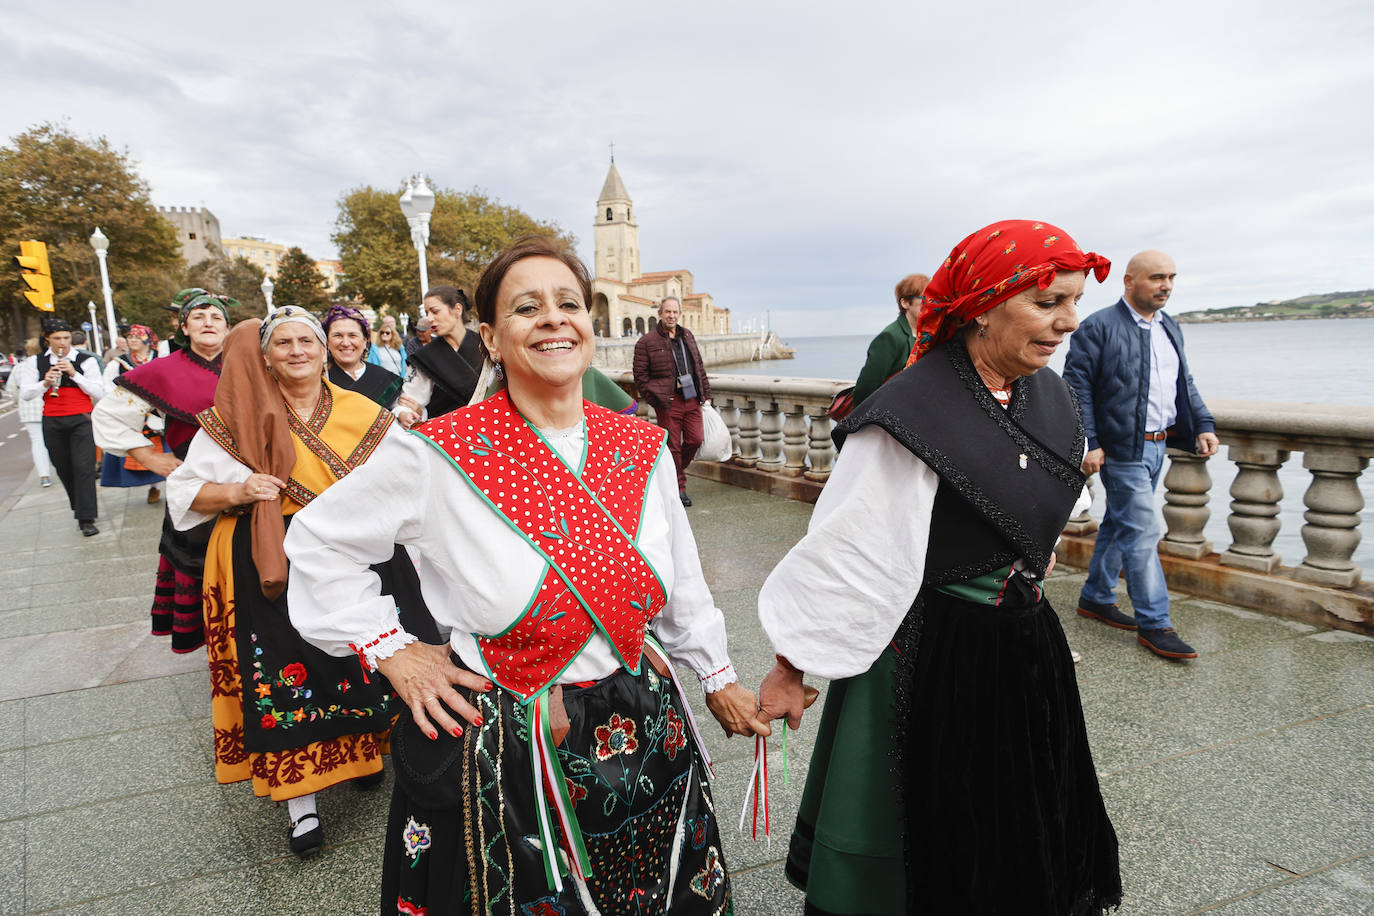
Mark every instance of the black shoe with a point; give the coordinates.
(686, 500)
(370, 781)
(1165, 643)
(308, 843)
(88, 528)
(1109, 614)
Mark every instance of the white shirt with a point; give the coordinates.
(476, 573)
(118, 421)
(87, 377)
(1162, 409)
(832, 604)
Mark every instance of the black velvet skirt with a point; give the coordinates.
(1003, 813)
(463, 835)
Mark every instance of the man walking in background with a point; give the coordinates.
(420, 338)
(69, 382)
(671, 377)
(1127, 366)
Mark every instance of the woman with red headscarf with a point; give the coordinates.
(951, 772)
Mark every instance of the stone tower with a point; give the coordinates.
(617, 234)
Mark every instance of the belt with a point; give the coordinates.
(1156, 437)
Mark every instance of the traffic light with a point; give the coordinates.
(37, 276)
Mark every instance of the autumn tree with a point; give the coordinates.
(238, 278)
(298, 282)
(57, 188)
(467, 230)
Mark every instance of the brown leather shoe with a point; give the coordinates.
(154, 494)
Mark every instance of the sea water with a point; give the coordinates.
(1317, 361)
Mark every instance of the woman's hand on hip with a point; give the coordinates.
(737, 711)
(424, 676)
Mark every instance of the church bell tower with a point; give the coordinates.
(616, 233)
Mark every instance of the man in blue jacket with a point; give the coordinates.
(1126, 364)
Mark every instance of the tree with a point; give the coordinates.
(238, 278)
(466, 231)
(298, 282)
(57, 188)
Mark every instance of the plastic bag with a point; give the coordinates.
(715, 444)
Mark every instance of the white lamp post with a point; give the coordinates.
(417, 203)
(267, 288)
(95, 329)
(101, 244)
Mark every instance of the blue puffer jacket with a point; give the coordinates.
(1108, 367)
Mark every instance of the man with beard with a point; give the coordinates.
(1137, 397)
(177, 387)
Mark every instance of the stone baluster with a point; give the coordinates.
(730, 414)
(770, 438)
(821, 456)
(1185, 506)
(1333, 505)
(794, 444)
(1254, 519)
(748, 434)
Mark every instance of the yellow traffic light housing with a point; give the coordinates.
(37, 275)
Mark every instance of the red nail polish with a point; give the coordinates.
(458, 730)
(434, 736)
(486, 687)
(477, 721)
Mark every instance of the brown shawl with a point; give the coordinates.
(251, 405)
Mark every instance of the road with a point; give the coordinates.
(15, 460)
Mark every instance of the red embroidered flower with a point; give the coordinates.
(293, 675)
(268, 721)
(405, 908)
(575, 791)
(615, 737)
(675, 740)
(542, 908)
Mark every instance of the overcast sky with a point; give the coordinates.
(798, 157)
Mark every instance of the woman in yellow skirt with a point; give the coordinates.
(286, 715)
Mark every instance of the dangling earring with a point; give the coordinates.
(496, 368)
(982, 330)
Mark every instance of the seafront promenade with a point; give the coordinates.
(1239, 783)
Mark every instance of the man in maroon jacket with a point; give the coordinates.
(672, 379)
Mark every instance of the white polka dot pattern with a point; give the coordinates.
(596, 574)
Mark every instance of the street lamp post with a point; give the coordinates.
(417, 203)
(267, 288)
(101, 244)
(95, 329)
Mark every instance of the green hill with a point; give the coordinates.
(1358, 304)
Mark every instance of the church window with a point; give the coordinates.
(193, 236)
(608, 214)
(627, 212)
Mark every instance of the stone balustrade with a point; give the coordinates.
(780, 425)
(1336, 443)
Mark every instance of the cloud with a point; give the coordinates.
(798, 159)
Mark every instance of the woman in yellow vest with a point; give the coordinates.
(286, 715)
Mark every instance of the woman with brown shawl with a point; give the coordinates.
(286, 715)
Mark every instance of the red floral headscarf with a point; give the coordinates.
(990, 266)
(143, 332)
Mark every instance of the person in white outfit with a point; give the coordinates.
(31, 413)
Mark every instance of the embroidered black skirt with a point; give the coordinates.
(463, 836)
(1003, 809)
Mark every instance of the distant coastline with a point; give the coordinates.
(1357, 304)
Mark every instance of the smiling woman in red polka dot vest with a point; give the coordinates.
(550, 758)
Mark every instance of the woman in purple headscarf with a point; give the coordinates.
(348, 341)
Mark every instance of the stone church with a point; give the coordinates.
(625, 298)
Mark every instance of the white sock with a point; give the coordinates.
(297, 808)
